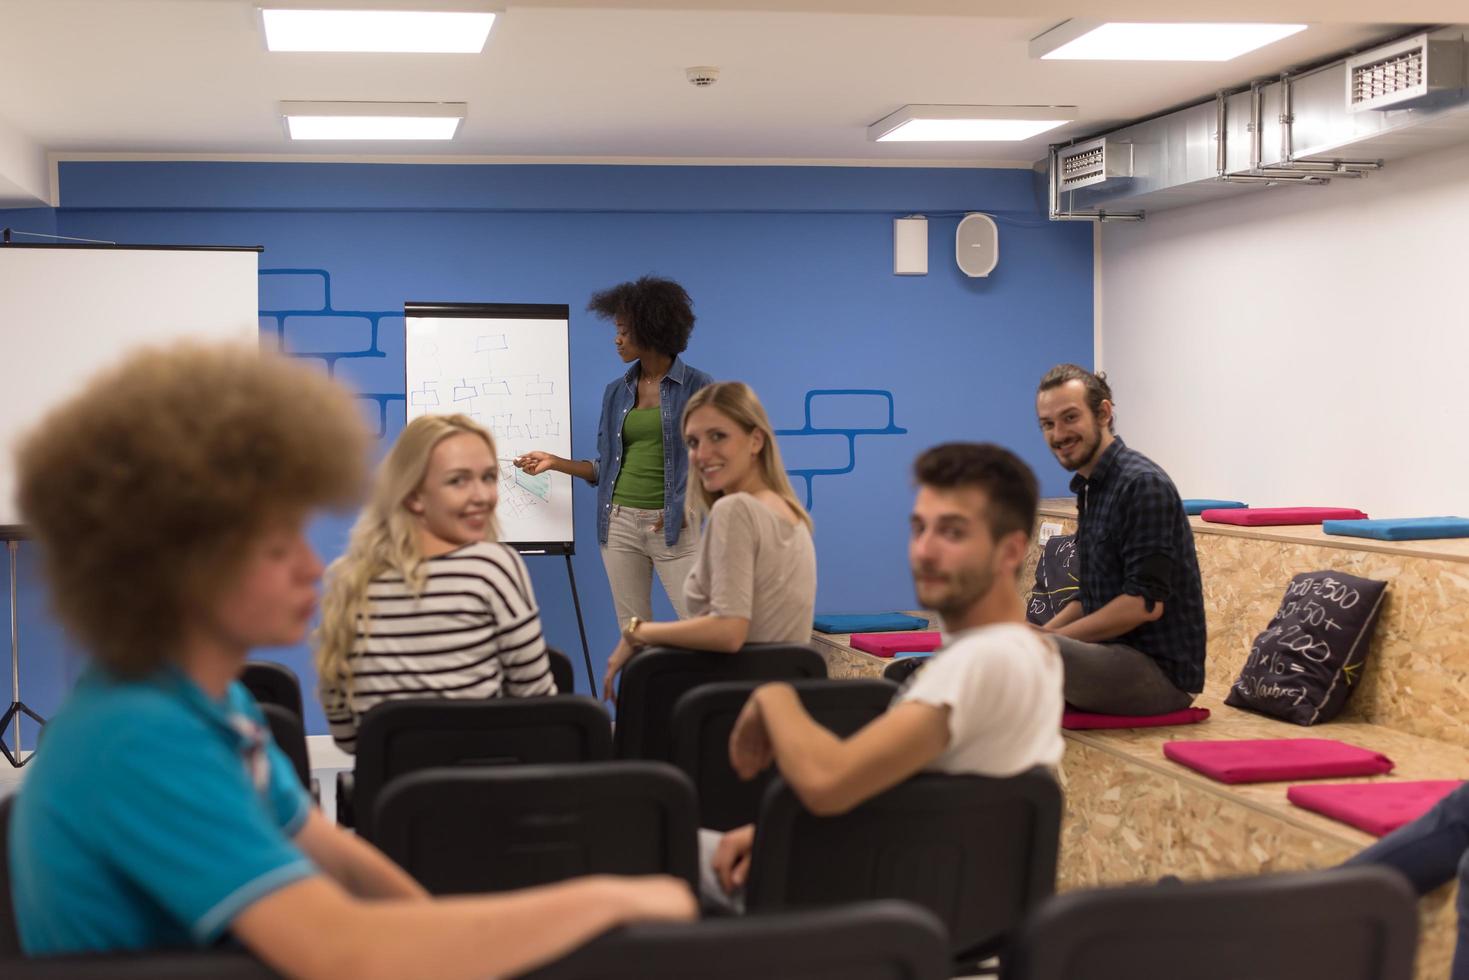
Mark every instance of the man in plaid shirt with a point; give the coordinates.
(1133, 640)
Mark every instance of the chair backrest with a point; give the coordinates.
(704, 717)
(867, 941)
(561, 671)
(290, 735)
(900, 670)
(9, 936)
(979, 852)
(398, 737)
(486, 830)
(1357, 923)
(654, 680)
(273, 683)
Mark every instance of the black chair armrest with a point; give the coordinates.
(345, 784)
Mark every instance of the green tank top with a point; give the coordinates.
(640, 480)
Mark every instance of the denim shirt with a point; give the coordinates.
(674, 392)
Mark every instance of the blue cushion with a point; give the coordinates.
(1199, 504)
(912, 655)
(1401, 528)
(873, 623)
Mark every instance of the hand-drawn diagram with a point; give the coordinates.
(510, 375)
(540, 486)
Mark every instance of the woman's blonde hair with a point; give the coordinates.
(737, 401)
(384, 538)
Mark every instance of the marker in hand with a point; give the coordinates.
(535, 462)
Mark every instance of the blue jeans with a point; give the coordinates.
(1430, 851)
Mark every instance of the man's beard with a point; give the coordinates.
(1089, 445)
(967, 588)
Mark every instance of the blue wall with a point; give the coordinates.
(791, 274)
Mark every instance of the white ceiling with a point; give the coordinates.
(599, 80)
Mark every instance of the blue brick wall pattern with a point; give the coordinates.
(328, 320)
(839, 398)
(322, 316)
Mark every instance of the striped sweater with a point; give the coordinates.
(475, 632)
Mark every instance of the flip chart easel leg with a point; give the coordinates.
(581, 628)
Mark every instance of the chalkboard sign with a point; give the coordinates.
(1055, 579)
(1307, 662)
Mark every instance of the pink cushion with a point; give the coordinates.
(887, 644)
(1378, 808)
(1266, 760)
(1074, 719)
(1260, 516)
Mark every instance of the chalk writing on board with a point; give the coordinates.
(1056, 582)
(1308, 655)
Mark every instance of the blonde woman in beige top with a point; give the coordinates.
(754, 578)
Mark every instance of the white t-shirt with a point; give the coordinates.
(1002, 685)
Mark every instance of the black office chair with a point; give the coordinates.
(290, 735)
(704, 718)
(868, 941)
(1356, 923)
(900, 670)
(273, 683)
(399, 737)
(979, 852)
(9, 937)
(561, 671)
(654, 680)
(487, 830)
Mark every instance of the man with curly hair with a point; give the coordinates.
(169, 501)
(641, 471)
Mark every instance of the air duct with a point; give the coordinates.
(1342, 119)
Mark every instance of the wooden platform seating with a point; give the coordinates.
(1132, 815)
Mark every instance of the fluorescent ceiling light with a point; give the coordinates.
(372, 120)
(1090, 40)
(411, 31)
(968, 123)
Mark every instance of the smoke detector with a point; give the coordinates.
(702, 76)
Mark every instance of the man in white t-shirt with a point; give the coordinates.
(988, 704)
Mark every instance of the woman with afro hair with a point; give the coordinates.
(641, 468)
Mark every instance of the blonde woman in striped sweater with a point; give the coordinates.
(425, 603)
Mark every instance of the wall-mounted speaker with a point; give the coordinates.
(977, 245)
(910, 246)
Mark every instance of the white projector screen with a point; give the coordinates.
(67, 311)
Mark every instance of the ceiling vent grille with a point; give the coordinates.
(1405, 74)
(1092, 162)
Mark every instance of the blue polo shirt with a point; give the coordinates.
(151, 817)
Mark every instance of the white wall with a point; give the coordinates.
(24, 176)
(1301, 346)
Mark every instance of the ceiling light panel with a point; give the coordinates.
(372, 120)
(379, 31)
(968, 124)
(1094, 41)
